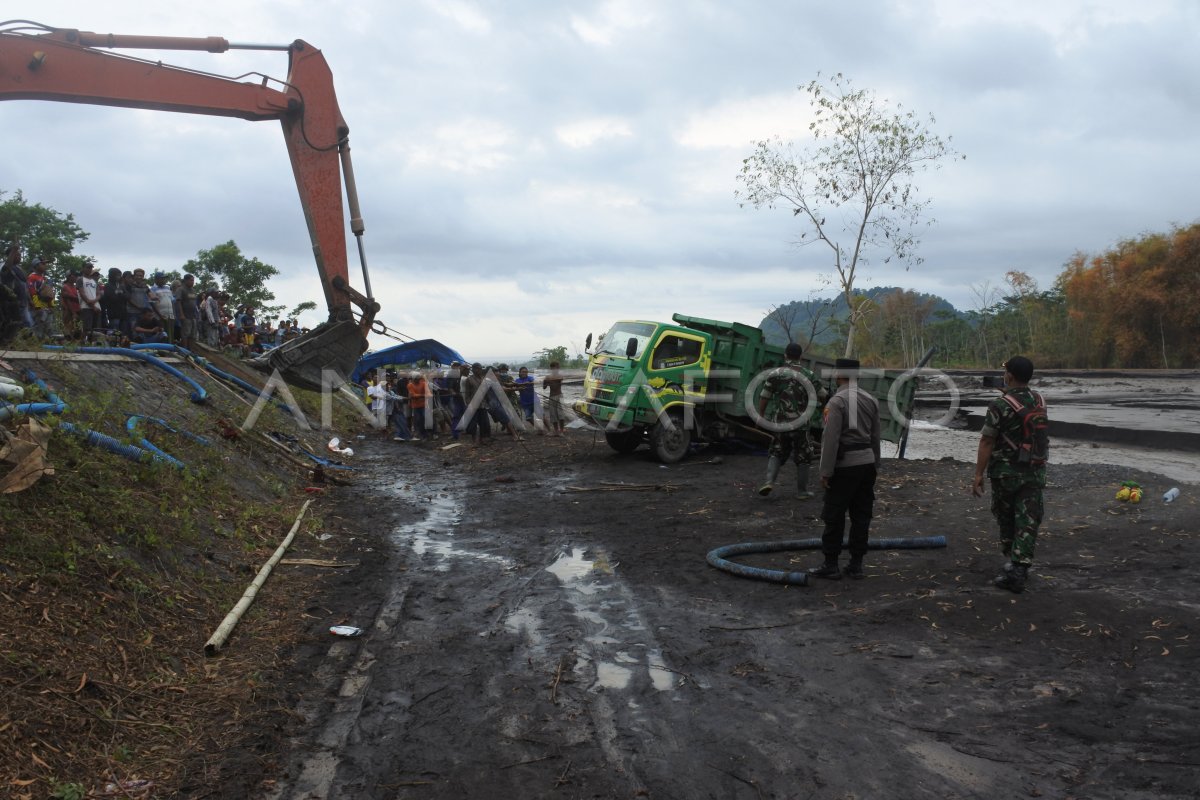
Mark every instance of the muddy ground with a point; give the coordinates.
(534, 631)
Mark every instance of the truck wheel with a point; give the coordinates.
(623, 441)
(670, 442)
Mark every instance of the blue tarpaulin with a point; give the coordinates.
(407, 353)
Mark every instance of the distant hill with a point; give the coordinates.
(805, 310)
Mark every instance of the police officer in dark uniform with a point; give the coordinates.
(849, 464)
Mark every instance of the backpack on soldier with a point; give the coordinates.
(1033, 449)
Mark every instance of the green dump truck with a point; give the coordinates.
(698, 380)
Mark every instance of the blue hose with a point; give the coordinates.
(325, 462)
(208, 366)
(55, 406)
(719, 557)
(32, 377)
(33, 409)
(131, 426)
(236, 381)
(198, 396)
(162, 346)
(115, 445)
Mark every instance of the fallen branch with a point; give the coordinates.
(748, 781)
(317, 562)
(427, 695)
(557, 679)
(528, 761)
(562, 779)
(295, 460)
(753, 627)
(625, 487)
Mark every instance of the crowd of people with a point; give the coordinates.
(127, 307)
(465, 399)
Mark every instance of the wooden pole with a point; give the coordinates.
(217, 640)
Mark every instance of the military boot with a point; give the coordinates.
(802, 492)
(1012, 578)
(828, 570)
(773, 465)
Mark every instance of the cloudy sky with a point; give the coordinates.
(530, 171)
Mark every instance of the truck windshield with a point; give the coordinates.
(618, 336)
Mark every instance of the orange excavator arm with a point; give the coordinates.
(66, 65)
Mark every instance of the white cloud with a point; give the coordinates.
(466, 146)
(571, 198)
(612, 19)
(466, 15)
(1069, 22)
(587, 132)
(737, 123)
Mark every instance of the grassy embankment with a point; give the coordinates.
(113, 574)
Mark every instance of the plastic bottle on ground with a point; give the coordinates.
(1171, 495)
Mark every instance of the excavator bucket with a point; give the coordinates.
(323, 357)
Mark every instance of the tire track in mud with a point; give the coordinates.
(530, 651)
(617, 662)
(346, 675)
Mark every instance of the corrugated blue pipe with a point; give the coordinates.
(115, 445)
(131, 426)
(57, 406)
(719, 557)
(198, 396)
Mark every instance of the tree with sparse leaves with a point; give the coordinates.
(852, 187)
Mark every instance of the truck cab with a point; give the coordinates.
(669, 383)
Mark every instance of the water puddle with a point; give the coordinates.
(616, 659)
(662, 678)
(571, 567)
(525, 621)
(574, 568)
(434, 534)
(612, 676)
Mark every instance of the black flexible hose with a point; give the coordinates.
(719, 557)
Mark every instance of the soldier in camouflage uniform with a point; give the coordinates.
(786, 392)
(1016, 489)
